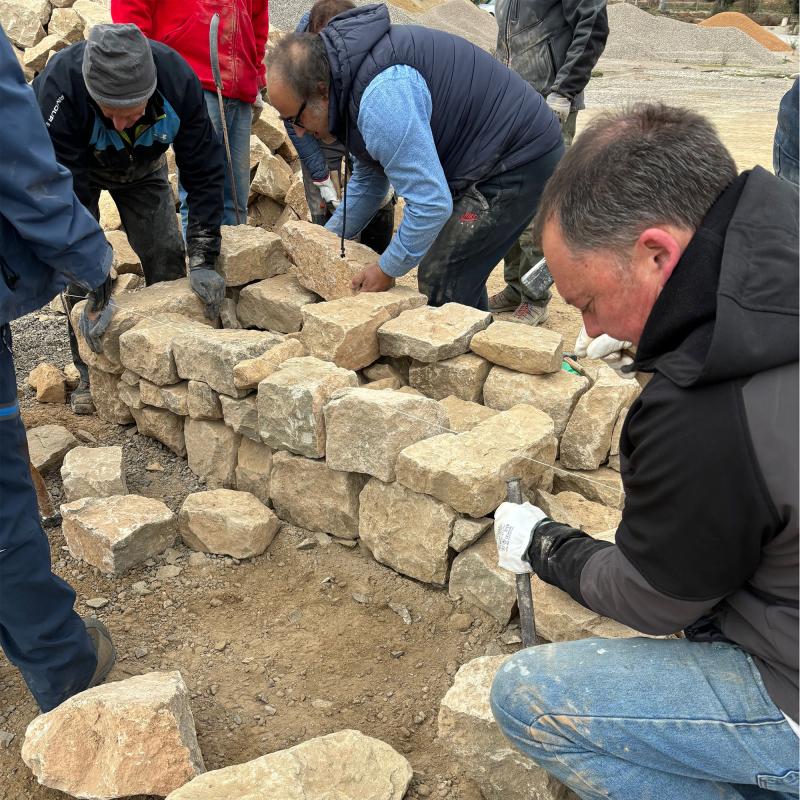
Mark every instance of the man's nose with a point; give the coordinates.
(120, 124)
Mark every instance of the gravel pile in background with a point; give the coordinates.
(285, 14)
(463, 19)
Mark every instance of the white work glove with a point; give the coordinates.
(513, 530)
(605, 347)
(258, 107)
(327, 191)
(560, 105)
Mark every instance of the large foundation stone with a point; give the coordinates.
(211, 450)
(462, 376)
(250, 254)
(93, 472)
(274, 304)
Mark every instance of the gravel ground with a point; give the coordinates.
(285, 14)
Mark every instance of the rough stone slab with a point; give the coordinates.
(340, 766)
(552, 506)
(587, 515)
(211, 450)
(110, 220)
(264, 212)
(385, 383)
(66, 24)
(125, 259)
(227, 522)
(130, 737)
(462, 376)
(253, 469)
(467, 531)
(248, 374)
(310, 494)
(367, 430)
(104, 388)
(287, 215)
(250, 254)
(24, 20)
(116, 533)
(163, 426)
(432, 334)
(130, 395)
(316, 256)
(150, 394)
(381, 371)
(202, 401)
(48, 444)
(269, 128)
(93, 472)
(176, 398)
(92, 14)
(291, 402)
(36, 56)
(556, 394)
(210, 356)
(274, 304)
(520, 347)
(613, 453)
(468, 729)
(477, 579)
(296, 198)
(125, 284)
(464, 415)
(49, 382)
(408, 532)
(242, 415)
(468, 471)
(273, 178)
(345, 331)
(602, 485)
(257, 151)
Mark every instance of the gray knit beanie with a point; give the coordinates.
(118, 66)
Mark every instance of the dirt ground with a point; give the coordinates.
(299, 643)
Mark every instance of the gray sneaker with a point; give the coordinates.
(103, 646)
(507, 300)
(530, 313)
(81, 401)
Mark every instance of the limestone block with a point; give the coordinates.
(125, 259)
(316, 256)
(381, 371)
(128, 376)
(29, 76)
(340, 766)
(104, 387)
(130, 395)
(469, 471)
(274, 304)
(408, 532)
(520, 347)
(150, 394)
(273, 178)
(602, 485)
(587, 438)
(367, 430)
(269, 128)
(24, 20)
(110, 219)
(250, 254)
(296, 198)
(345, 331)
(36, 56)
(310, 494)
(253, 469)
(288, 152)
(556, 394)
(125, 284)
(116, 533)
(613, 454)
(257, 151)
(211, 450)
(464, 415)
(385, 383)
(93, 472)
(210, 356)
(242, 415)
(264, 212)
(248, 374)
(176, 398)
(433, 334)
(48, 444)
(554, 509)
(163, 426)
(202, 401)
(92, 14)
(477, 579)
(66, 24)
(462, 377)
(74, 377)
(227, 522)
(291, 401)
(587, 515)
(467, 727)
(130, 737)
(49, 382)
(467, 531)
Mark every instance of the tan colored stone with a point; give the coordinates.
(24, 20)
(150, 394)
(296, 198)
(613, 454)
(116, 533)
(264, 212)
(520, 347)
(554, 509)
(469, 471)
(367, 430)
(125, 259)
(602, 485)
(49, 382)
(242, 415)
(110, 219)
(202, 401)
(104, 387)
(408, 532)
(274, 304)
(310, 494)
(163, 426)
(29, 74)
(273, 178)
(253, 469)
(250, 254)
(93, 472)
(257, 151)
(130, 395)
(127, 283)
(384, 383)
(211, 450)
(340, 766)
(211, 355)
(36, 56)
(269, 128)
(463, 415)
(227, 522)
(291, 401)
(92, 14)
(66, 24)
(315, 252)
(74, 377)
(129, 737)
(248, 374)
(176, 398)
(345, 331)
(288, 153)
(432, 334)
(556, 394)
(462, 376)
(587, 515)
(467, 531)
(380, 371)
(48, 444)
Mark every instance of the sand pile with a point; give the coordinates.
(733, 19)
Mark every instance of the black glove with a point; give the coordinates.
(209, 286)
(92, 330)
(99, 296)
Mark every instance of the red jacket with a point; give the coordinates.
(184, 26)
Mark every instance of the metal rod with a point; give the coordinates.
(527, 620)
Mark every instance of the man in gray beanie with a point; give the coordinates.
(113, 105)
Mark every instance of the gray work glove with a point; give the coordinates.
(209, 286)
(560, 105)
(258, 107)
(96, 315)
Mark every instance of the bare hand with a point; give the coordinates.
(372, 279)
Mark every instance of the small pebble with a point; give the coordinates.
(6, 737)
(97, 602)
(307, 544)
(154, 466)
(140, 652)
(460, 622)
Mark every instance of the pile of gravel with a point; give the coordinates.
(285, 14)
(635, 35)
(463, 19)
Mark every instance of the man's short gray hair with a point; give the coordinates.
(302, 62)
(650, 164)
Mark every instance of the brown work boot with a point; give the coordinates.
(103, 646)
(529, 313)
(507, 300)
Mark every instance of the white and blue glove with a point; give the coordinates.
(604, 347)
(514, 525)
(560, 105)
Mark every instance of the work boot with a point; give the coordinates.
(81, 399)
(529, 313)
(103, 646)
(507, 300)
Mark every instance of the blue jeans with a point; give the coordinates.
(785, 148)
(39, 632)
(648, 719)
(238, 116)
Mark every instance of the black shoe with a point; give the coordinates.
(103, 647)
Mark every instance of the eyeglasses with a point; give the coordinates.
(295, 120)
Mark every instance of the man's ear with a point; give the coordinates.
(660, 249)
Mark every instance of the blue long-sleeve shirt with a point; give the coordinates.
(394, 120)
